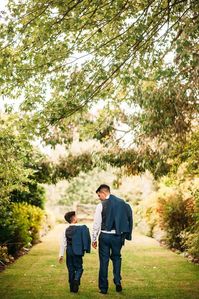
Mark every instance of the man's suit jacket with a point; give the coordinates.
(119, 215)
(81, 241)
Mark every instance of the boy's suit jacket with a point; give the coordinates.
(81, 241)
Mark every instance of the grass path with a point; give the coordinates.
(148, 271)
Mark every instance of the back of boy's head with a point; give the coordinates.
(69, 216)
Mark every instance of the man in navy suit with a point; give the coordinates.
(76, 240)
(113, 222)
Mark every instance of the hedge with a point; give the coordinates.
(20, 224)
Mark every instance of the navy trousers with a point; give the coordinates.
(109, 248)
(74, 264)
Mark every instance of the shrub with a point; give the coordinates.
(191, 240)
(33, 195)
(174, 209)
(5, 258)
(176, 217)
(23, 222)
(147, 215)
(6, 229)
(47, 223)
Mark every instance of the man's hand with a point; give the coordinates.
(61, 259)
(94, 244)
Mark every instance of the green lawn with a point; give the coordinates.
(148, 271)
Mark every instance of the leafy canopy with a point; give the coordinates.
(62, 57)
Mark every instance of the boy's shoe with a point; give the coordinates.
(103, 292)
(118, 287)
(75, 286)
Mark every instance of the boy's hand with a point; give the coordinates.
(94, 244)
(61, 259)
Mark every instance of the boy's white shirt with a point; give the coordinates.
(63, 241)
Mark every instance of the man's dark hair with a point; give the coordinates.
(103, 187)
(69, 215)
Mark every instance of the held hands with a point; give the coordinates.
(94, 244)
(61, 259)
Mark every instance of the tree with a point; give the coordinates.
(14, 147)
(23, 168)
(82, 187)
(63, 56)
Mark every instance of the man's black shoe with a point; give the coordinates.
(71, 287)
(118, 288)
(75, 286)
(103, 292)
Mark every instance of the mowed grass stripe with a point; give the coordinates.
(148, 271)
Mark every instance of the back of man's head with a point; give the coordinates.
(103, 187)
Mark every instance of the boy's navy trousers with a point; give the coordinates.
(74, 264)
(109, 248)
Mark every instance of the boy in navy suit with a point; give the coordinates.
(76, 240)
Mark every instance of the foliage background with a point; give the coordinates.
(121, 74)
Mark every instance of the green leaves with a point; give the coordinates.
(64, 57)
(12, 158)
(21, 165)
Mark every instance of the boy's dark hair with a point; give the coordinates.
(69, 215)
(103, 187)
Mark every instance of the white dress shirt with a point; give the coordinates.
(63, 241)
(98, 222)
